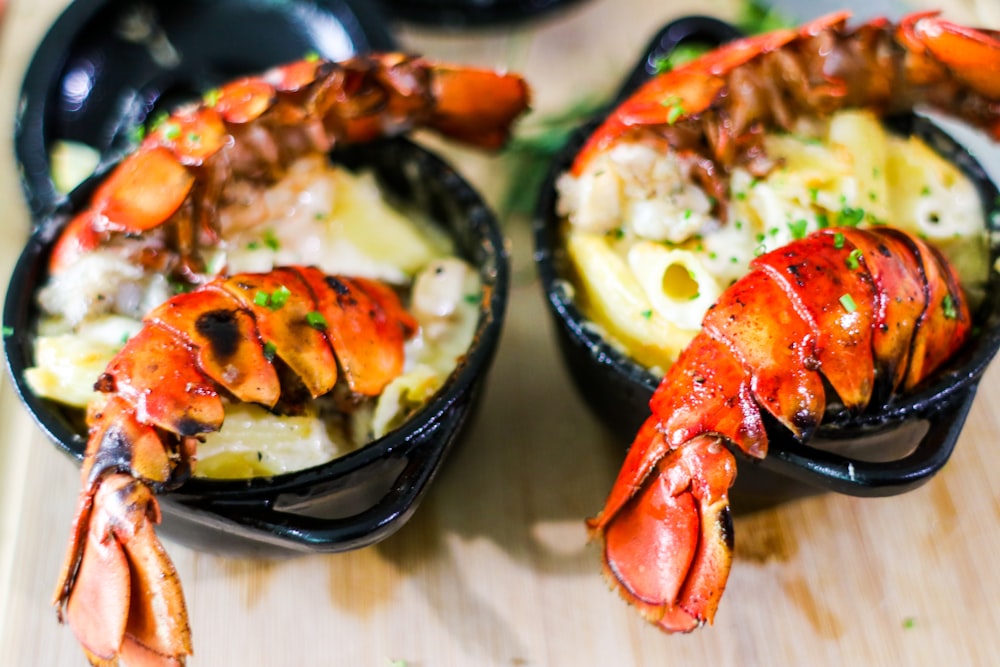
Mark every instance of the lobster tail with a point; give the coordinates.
(863, 312)
(252, 129)
(268, 338)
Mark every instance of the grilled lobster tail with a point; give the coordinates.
(250, 130)
(276, 339)
(873, 312)
(717, 107)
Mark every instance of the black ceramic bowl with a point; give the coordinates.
(880, 453)
(354, 500)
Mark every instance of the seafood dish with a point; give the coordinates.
(744, 226)
(226, 272)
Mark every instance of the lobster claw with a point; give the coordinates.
(118, 590)
(669, 548)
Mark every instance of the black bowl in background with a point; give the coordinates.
(473, 13)
(354, 500)
(106, 65)
(876, 454)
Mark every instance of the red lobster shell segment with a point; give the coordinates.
(274, 338)
(871, 312)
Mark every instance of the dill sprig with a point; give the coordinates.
(530, 152)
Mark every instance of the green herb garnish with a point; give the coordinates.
(948, 304)
(798, 228)
(848, 303)
(853, 259)
(850, 217)
(270, 350)
(838, 240)
(279, 297)
(316, 320)
(171, 131)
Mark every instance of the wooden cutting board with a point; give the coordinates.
(494, 568)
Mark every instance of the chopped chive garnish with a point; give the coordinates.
(316, 320)
(646, 314)
(850, 217)
(823, 220)
(813, 194)
(279, 298)
(211, 98)
(270, 350)
(838, 240)
(311, 57)
(194, 137)
(909, 623)
(848, 303)
(948, 303)
(674, 113)
(471, 298)
(139, 133)
(759, 250)
(853, 258)
(253, 245)
(171, 131)
(798, 228)
(925, 191)
(261, 298)
(8, 332)
(271, 241)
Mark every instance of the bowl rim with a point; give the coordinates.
(816, 466)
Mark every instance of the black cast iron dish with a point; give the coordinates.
(352, 501)
(877, 454)
(106, 65)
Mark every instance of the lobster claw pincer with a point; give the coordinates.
(119, 591)
(669, 547)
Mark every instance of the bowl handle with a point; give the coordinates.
(306, 533)
(883, 478)
(310, 533)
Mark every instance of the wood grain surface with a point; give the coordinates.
(494, 569)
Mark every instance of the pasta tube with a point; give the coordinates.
(679, 287)
(618, 302)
